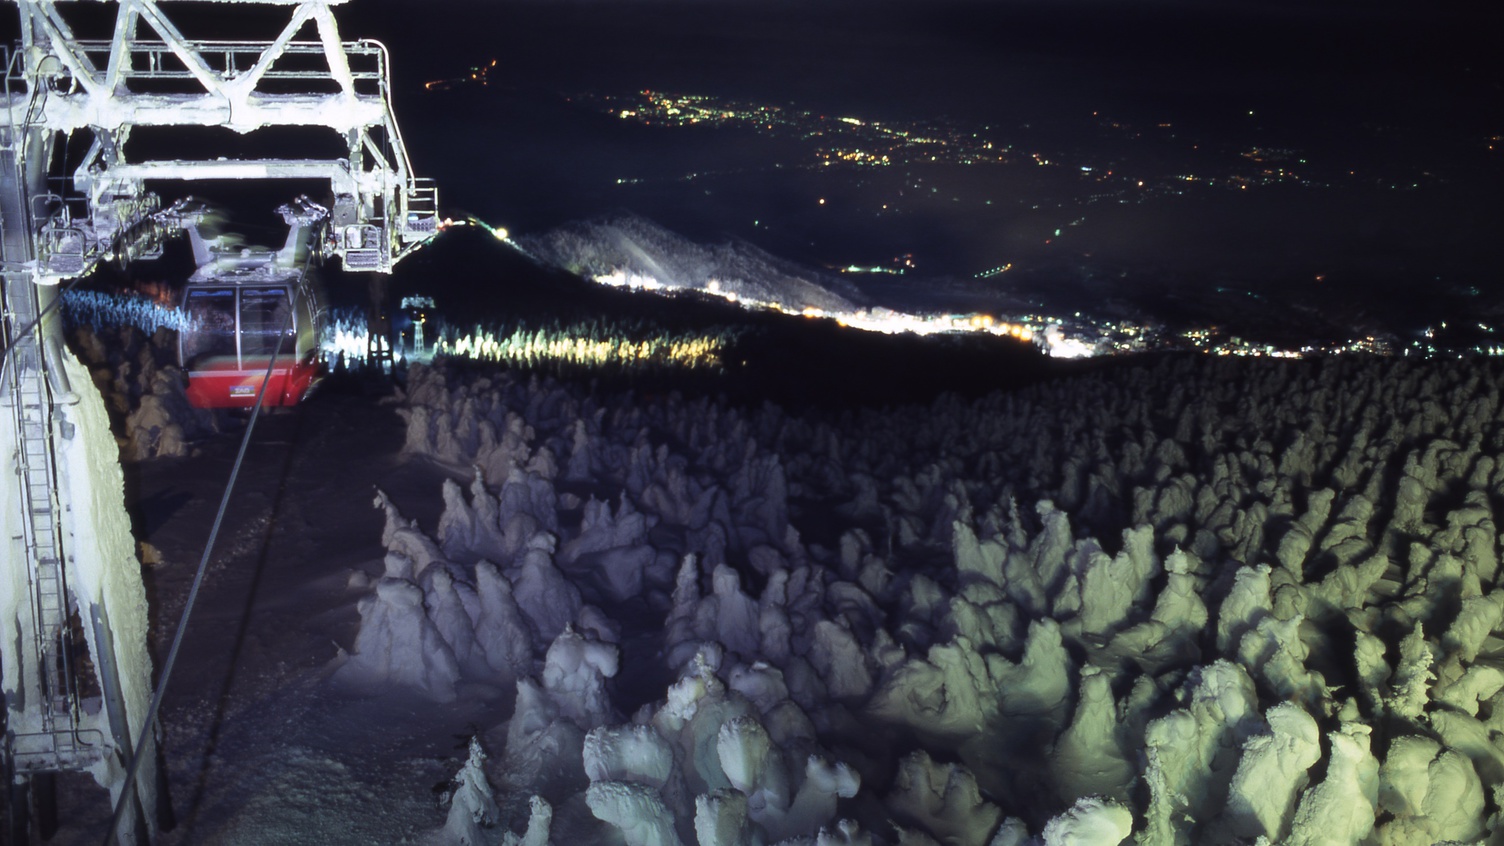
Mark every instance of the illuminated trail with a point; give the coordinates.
(885, 321)
(498, 232)
(488, 346)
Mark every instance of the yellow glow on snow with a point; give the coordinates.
(586, 347)
(877, 319)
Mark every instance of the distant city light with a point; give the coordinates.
(850, 141)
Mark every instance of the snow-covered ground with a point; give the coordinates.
(629, 247)
(1189, 601)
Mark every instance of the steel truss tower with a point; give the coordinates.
(75, 677)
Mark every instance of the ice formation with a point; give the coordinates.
(472, 805)
(943, 800)
(1433, 794)
(1090, 821)
(399, 644)
(539, 821)
(1271, 774)
(1193, 601)
(574, 675)
(1341, 808)
(636, 811)
(144, 390)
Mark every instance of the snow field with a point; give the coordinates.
(1196, 601)
(635, 252)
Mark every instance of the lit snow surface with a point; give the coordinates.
(1167, 602)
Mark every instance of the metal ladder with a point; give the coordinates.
(34, 464)
(61, 743)
(64, 741)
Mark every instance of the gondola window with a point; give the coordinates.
(263, 312)
(211, 336)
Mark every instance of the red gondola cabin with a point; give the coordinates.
(236, 306)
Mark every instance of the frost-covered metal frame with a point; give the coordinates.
(151, 74)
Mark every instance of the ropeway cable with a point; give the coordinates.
(198, 579)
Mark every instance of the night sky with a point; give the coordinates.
(1392, 108)
(1385, 116)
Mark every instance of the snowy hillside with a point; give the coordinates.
(1194, 602)
(637, 252)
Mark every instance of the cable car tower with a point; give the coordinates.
(75, 676)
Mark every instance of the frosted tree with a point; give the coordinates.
(472, 807)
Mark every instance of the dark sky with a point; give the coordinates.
(1398, 87)
(924, 53)
(543, 40)
(1391, 88)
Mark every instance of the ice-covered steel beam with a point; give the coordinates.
(150, 73)
(341, 178)
(229, 97)
(236, 169)
(339, 112)
(249, 80)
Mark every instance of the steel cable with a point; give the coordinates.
(198, 580)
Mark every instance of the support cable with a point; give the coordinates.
(134, 766)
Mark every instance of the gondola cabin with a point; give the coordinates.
(237, 307)
(231, 335)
